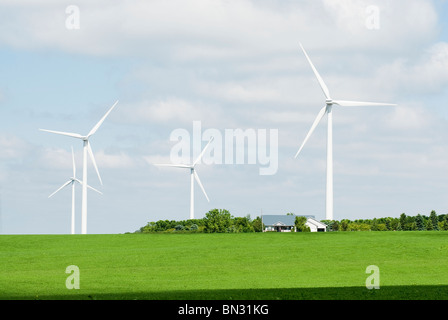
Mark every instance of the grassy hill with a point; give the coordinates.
(226, 266)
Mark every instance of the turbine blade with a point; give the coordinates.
(203, 151)
(343, 103)
(315, 123)
(196, 177)
(92, 188)
(89, 148)
(173, 165)
(73, 135)
(319, 78)
(74, 166)
(61, 187)
(101, 121)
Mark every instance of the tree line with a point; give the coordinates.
(221, 221)
(215, 221)
(403, 223)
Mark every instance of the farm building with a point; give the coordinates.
(285, 223)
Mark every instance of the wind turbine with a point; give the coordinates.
(327, 109)
(72, 182)
(193, 176)
(86, 148)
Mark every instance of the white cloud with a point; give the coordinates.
(204, 29)
(242, 91)
(399, 21)
(173, 111)
(349, 15)
(120, 160)
(61, 159)
(409, 116)
(57, 158)
(433, 72)
(12, 147)
(427, 74)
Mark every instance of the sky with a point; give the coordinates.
(220, 65)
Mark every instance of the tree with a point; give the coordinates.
(411, 226)
(335, 226)
(429, 226)
(358, 226)
(179, 227)
(434, 220)
(352, 226)
(217, 220)
(374, 226)
(419, 222)
(394, 223)
(403, 221)
(257, 224)
(388, 224)
(444, 223)
(300, 224)
(344, 225)
(410, 223)
(242, 224)
(332, 225)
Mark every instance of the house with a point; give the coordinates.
(285, 223)
(316, 225)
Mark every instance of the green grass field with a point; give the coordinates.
(413, 265)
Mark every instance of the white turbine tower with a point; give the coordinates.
(327, 109)
(86, 148)
(193, 176)
(72, 182)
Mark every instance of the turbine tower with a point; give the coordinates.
(193, 176)
(86, 148)
(327, 109)
(72, 182)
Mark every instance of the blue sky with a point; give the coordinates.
(228, 64)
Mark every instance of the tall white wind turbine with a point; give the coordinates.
(72, 181)
(327, 109)
(86, 148)
(193, 176)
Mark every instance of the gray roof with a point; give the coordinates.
(284, 220)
